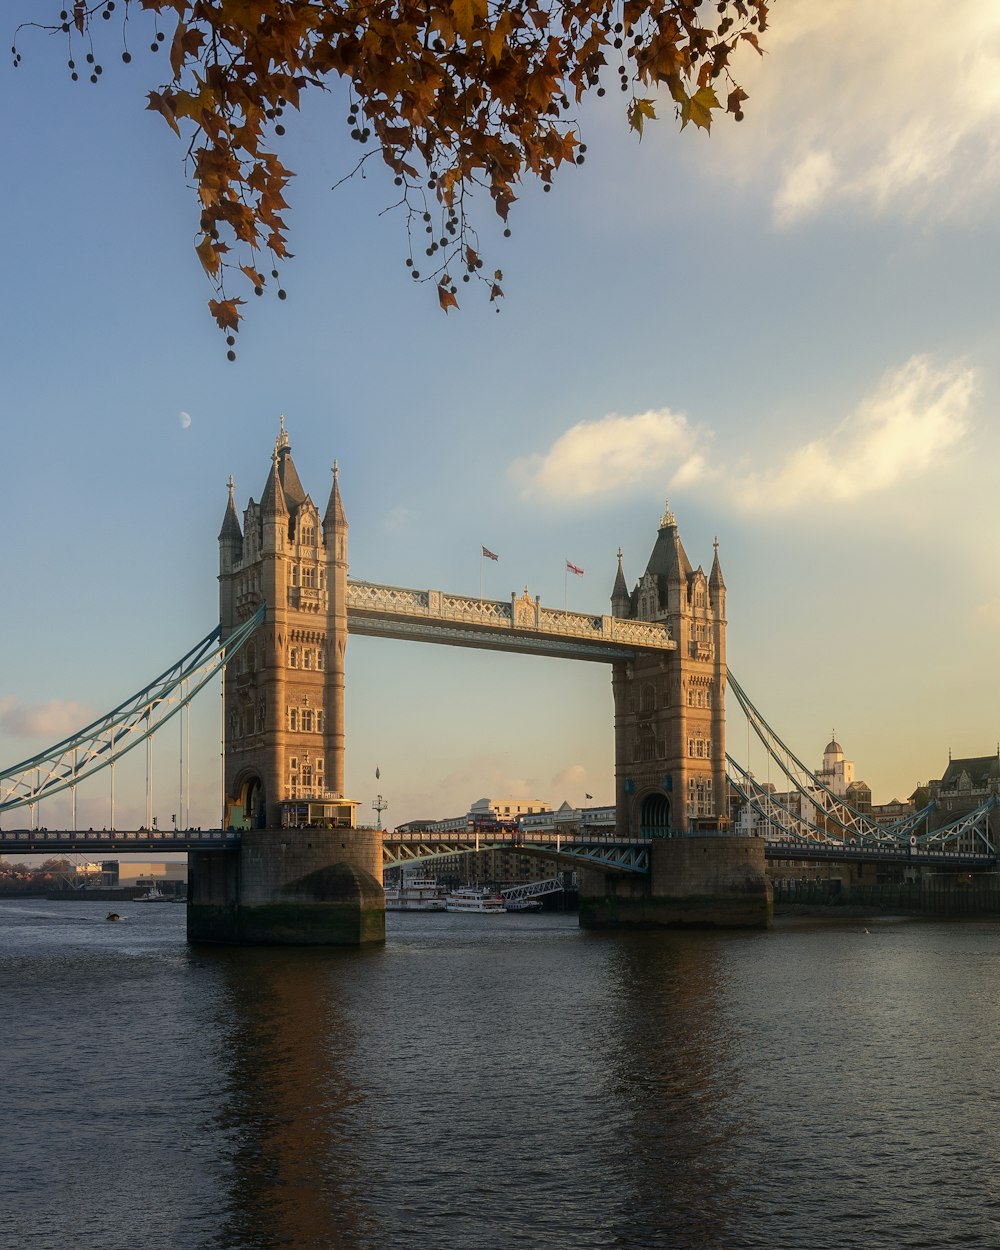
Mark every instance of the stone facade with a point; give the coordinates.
(670, 719)
(284, 693)
(303, 874)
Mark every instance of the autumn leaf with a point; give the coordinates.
(225, 312)
(446, 298)
(638, 111)
(698, 108)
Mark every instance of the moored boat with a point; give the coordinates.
(472, 899)
(415, 894)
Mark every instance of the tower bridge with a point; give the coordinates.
(290, 863)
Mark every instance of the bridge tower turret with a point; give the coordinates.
(283, 737)
(670, 760)
(670, 721)
(335, 543)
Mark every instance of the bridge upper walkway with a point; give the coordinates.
(520, 624)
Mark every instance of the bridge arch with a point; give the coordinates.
(246, 808)
(654, 814)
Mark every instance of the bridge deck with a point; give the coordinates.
(521, 624)
(116, 841)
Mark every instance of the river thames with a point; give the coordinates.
(484, 1082)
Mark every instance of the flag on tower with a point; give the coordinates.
(588, 796)
(377, 773)
(574, 569)
(490, 555)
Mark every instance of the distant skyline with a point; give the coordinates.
(790, 328)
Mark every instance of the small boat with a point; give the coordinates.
(153, 895)
(472, 899)
(415, 894)
(523, 904)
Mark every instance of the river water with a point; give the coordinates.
(488, 1082)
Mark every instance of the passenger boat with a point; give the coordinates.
(153, 895)
(523, 904)
(472, 899)
(415, 894)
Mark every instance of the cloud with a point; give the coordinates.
(53, 720)
(397, 520)
(988, 615)
(605, 456)
(916, 415)
(891, 107)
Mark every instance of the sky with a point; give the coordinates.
(789, 328)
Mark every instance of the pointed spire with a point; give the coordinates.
(231, 522)
(335, 517)
(619, 594)
(272, 502)
(715, 577)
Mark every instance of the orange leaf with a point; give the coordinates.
(445, 297)
(225, 313)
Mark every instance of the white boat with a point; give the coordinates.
(472, 899)
(523, 904)
(415, 894)
(153, 895)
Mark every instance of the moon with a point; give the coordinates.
(185, 420)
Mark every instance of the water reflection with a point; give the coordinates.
(676, 1070)
(293, 1108)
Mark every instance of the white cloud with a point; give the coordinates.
(892, 107)
(916, 414)
(601, 457)
(397, 520)
(914, 417)
(54, 720)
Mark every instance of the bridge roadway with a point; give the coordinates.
(602, 851)
(520, 624)
(107, 841)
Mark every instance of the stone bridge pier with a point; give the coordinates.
(702, 882)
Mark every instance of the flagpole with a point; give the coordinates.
(566, 587)
(481, 558)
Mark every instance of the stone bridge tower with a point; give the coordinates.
(670, 761)
(670, 719)
(284, 695)
(303, 872)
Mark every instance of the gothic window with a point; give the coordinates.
(320, 659)
(260, 717)
(647, 749)
(295, 574)
(293, 657)
(648, 698)
(307, 720)
(306, 776)
(293, 719)
(309, 535)
(309, 576)
(661, 748)
(635, 753)
(699, 597)
(690, 746)
(319, 722)
(307, 658)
